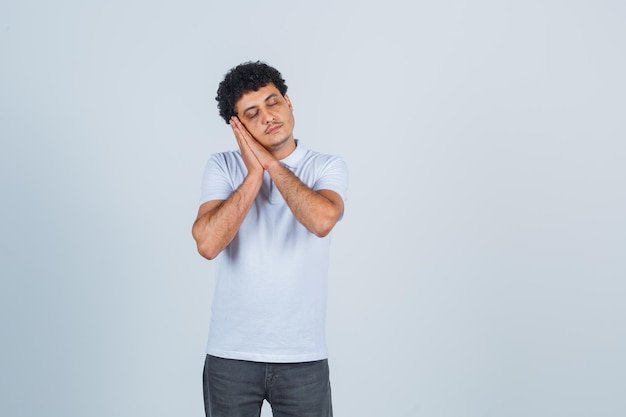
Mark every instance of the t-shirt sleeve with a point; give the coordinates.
(334, 177)
(216, 183)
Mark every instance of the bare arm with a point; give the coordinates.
(318, 211)
(219, 220)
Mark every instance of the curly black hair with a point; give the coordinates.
(246, 77)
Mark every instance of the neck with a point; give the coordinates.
(284, 148)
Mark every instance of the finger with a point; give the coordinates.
(246, 137)
(238, 126)
(240, 134)
(245, 133)
(244, 141)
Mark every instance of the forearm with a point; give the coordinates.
(216, 226)
(312, 209)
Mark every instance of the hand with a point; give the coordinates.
(262, 155)
(243, 140)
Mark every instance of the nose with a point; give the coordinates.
(268, 118)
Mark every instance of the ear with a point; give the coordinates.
(288, 100)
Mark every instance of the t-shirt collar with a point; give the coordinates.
(293, 159)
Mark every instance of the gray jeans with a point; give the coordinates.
(235, 388)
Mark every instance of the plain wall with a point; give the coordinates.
(480, 267)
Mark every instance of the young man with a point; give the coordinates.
(265, 216)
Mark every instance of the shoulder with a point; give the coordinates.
(324, 171)
(312, 156)
(226, 164)
(227, 161)
(226, 157)
(324, 161)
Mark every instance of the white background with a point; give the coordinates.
(480, 266)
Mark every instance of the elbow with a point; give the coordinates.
(327, 218)
(322, 233)
(207, 252)
(322, 230)
(324, 226)
(205, 247)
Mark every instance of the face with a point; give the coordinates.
(268, 116)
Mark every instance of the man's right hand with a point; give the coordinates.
(218, 221)
(243, 138)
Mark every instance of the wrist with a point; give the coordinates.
(273, 165)
(255, 175)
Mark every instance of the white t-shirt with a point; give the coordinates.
(271, 281)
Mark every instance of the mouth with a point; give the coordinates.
(273, 128)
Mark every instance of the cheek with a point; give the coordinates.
(254, 128)
(250, 124)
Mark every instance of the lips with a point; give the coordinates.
(273, 128)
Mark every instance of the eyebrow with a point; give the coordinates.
(253, 107)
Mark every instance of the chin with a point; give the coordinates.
(278, 143)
